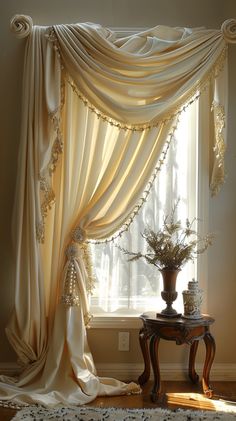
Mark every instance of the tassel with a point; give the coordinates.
(71, 296)
(75, 275)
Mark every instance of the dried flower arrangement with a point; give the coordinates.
(172, 245)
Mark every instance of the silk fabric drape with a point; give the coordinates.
(139, 79)
(97, 112)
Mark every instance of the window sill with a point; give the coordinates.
(115, 322)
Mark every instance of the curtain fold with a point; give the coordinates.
(99, 113)
(144, 78)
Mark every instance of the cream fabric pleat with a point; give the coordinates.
(95, 170)
(219, 113)
(106, 169)
(139, 79)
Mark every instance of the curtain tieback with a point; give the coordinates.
(71, 293)
(78, 280)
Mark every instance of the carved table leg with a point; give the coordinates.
(143, 340)
(210, 354)
(191, 367)
(154, 342)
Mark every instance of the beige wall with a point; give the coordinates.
(128, 13)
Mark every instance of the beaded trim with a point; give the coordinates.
(70, 296)
(219, 147)
(48, 199)
(72, 252)
(104, 117)
(181, 106)
(45, 180)
(71, 293)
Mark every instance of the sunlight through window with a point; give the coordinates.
(199, 401)
(124, 287)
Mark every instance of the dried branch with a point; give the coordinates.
(172, 245)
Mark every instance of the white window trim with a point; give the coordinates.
(203, 192)
(115, 322)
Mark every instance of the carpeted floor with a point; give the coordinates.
(118, 414)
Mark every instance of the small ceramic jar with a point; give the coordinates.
(192, 298)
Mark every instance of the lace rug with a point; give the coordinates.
(37, 413)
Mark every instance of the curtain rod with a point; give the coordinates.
(22, 25)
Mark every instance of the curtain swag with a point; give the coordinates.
(99, 114)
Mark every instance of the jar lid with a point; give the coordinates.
(193, 285)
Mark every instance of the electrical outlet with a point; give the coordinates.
(123, 341)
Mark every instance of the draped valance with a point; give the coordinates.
(99, 114)
(143, 79)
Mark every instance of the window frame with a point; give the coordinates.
(108, 321)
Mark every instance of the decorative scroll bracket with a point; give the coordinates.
(228, 29)
(21, 25)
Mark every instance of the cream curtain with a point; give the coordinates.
(135, 288)
(99, 113)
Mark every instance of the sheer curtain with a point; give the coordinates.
(125, 288)
(99, 114)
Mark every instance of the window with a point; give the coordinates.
(130, 288)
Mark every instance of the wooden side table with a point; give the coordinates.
(181, 331)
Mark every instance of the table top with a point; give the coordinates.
(151, 318)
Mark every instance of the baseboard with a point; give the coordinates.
(131, 371)
(169, 372)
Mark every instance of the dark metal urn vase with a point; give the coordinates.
(169, 293)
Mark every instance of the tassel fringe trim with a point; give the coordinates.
(219, 148)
